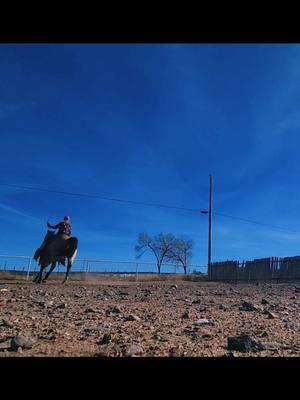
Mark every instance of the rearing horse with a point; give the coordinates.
(61, 247)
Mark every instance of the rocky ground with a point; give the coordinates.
(116, 319)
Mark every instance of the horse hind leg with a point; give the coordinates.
(68, 270)
(70, 263)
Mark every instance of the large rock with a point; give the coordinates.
(21, 341)
(133, 350)
(240, 343)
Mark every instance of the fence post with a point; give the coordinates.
(28, 270)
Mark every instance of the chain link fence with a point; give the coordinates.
(27, 266)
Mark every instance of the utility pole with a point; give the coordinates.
(209, 228)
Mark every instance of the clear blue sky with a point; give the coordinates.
(150, 123)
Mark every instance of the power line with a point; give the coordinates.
(256, 223)
(95, 196)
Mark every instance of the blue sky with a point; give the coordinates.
(150, 123)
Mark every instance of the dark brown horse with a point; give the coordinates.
(56, 249)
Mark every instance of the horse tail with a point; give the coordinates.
(72, 248)
(73, 256)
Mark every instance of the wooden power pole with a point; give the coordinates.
(209, 228)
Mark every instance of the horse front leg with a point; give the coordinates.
(36, 277)
(50, 270)
(40, 275)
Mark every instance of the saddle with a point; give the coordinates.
(50, 236)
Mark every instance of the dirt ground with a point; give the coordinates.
(158, 319)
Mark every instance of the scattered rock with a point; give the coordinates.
(197, 301)
(160, 338)
(268, 346)
(21, 341)
(107, 338)
(174, 286)
(91, 330)
(264, 334)
(201, 321)
(113, 310)
(61, 306)
(176, 351)
(186, 315)
(264, 301)
(7, 323)
(132, 317)
(206, 334)
(289, 325)
(270, 315)
(247, 306)
(90, 310)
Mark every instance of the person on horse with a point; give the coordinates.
(63, 227)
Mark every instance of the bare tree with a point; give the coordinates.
(181, 252)
(161, 245)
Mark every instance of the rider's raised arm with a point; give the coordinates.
(53, 226)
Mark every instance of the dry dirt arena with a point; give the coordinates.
(142, 319)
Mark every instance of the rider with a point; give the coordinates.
(63, 227)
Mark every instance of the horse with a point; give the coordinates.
(56, 249)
